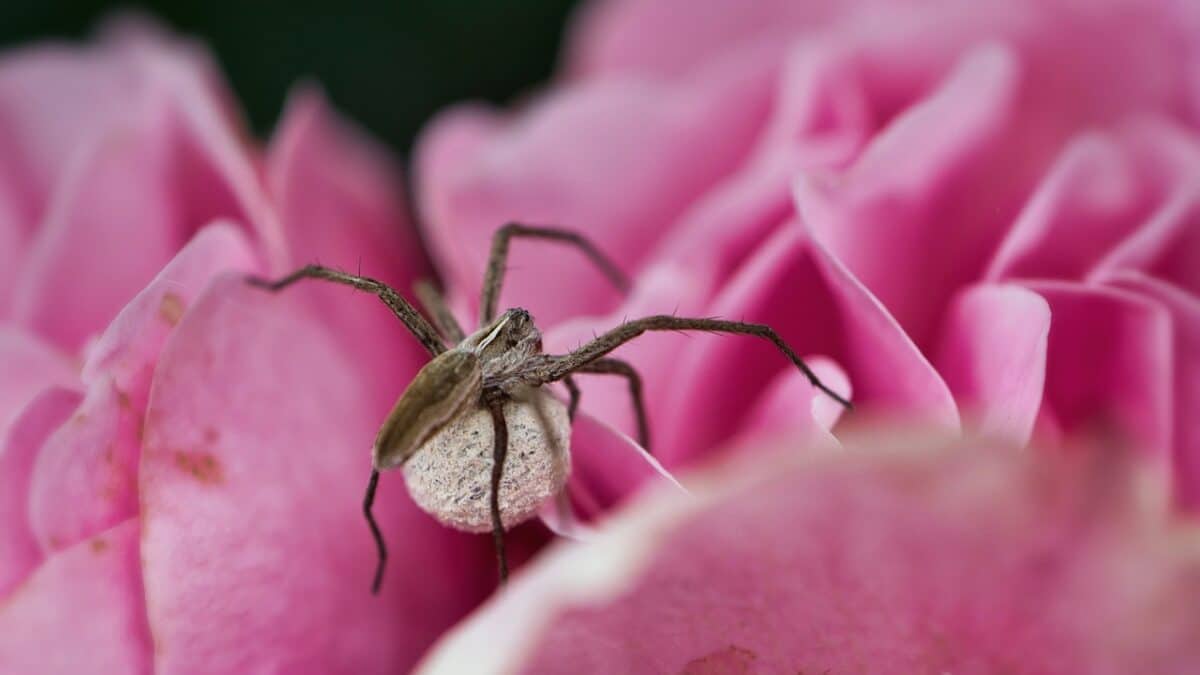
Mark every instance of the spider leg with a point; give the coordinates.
(499, 453)
(555, 368)
(573, 390)
(411, 318)
(497, 259)
(435, 305)
(368, 502)
(610, 366)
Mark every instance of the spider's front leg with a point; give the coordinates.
(498, 259)
(407, 314)
(555, 368)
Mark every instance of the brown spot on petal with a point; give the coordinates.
(98, 545)
(732, 659)
(201, 465)
(171, 308)
(123, 399)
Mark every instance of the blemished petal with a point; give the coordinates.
(255, 459)
(1109, 364)
(340, 205)
(1185, 314)
(84, 479)
(124, 354)
(816, 306)
(27, 366)
(615, 161)
(992, 354)
(910, 554)
(81, 611)
(19, 549)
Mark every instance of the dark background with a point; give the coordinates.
(389, 65)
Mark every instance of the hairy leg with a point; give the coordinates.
(368, 502)
(554, 368)
(499, 454)
(435, 305)
(411, 318)
(498, 258)
(610, 366)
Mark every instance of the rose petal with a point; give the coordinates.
(19, 550)
(125, 354)
(608, 467)
(1091, 199)
(993, 356)
(1167, 243)
(614, 161)
(27, 366)
(85, 477)
(672, 38)
(1108, 364)
(1185, 315)
(894, 556)
(256, 457)
(815, 306)
(774, 413)
(80, 612)
(339, 201)
(111, 224)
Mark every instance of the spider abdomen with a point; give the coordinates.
(449, 476)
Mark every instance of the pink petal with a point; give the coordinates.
(84, 479)
(125, 354)
(993, 355)
(256, 456)
(340, 201)
(1185, 372)
(674, 37)
(1093, 197)
(112, 223)
(616, 161)
(900, 556)
(1167, 243)
(27, 366)
(608, 467)
(80, 612)
(1109, 364)
(817, 307)
(19, 550)
(774, 412)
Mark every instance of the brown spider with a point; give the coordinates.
(501, 362)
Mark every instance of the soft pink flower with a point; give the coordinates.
(986, 214)
(897, 556)
(183, 458)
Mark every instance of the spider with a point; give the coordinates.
(501, 363)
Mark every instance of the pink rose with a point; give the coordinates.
(985, 214)
(183, 457)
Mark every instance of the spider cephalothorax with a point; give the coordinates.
(497, 374)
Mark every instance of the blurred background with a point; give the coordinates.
(388, 64)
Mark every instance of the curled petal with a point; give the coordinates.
(993, 357)
(19, 548)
